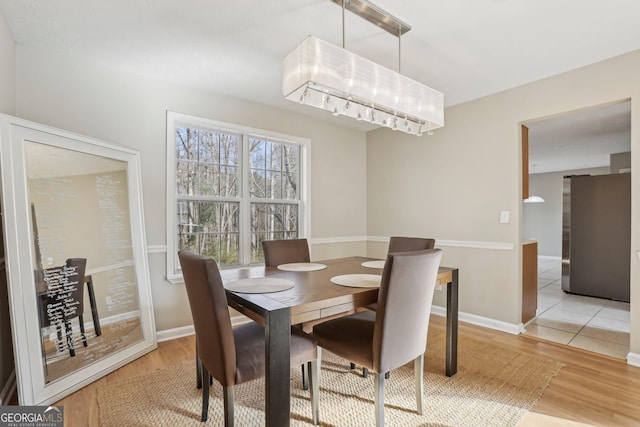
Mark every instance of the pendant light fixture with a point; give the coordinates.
(323, 75)
(532, 198)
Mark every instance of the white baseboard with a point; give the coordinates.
(485, 322)
(185, 331)
(8, 390)
(75, 326)
(633, 359)
(171, 334)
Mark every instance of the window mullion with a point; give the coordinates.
(245, 204)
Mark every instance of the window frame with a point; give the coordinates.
(173, 270)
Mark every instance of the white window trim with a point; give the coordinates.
(173, 273)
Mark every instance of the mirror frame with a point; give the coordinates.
(18, 233)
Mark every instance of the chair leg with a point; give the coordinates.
(228, 406)
(418, 365)
(305, 378)
(314, 384)
(379, 399)
(352, 365)
(69, 334)
(59, 344)
(82, 333)
(198, 369)
(205, 394)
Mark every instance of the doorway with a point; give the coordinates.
(596, 141)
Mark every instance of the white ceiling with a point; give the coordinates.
(464, 48)
(580, 140)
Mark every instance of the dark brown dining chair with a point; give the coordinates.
(397, 333)
(286, 251)
(60, 306)
(278, 252)
(406, 244)
(409, 244)
(233, 355)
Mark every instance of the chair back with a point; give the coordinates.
(404, 307)
(410, 244)
(211, 320)
(278, 252)
(64, 299)
(75, 299)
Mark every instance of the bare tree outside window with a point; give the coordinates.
(210, 192)
(273, 187)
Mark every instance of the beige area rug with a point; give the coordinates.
(494, 386)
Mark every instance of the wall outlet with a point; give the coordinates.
(438, 287)
(504, 217)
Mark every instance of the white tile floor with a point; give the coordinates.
(593, 324)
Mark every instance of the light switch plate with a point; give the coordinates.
(504, 217)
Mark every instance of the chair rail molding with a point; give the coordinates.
(473, 244)
(156, 249)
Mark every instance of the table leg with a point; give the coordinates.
(452, 326)
(94, 309)
(278, 364)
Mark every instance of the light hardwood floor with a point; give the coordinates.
(591, 389)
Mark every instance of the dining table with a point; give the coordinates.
(314, 298)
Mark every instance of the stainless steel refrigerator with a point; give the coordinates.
(596, 235)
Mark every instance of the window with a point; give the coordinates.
(229, 188)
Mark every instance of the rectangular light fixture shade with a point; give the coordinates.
(326, 76)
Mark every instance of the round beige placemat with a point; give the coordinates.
(259, 285)
(302, 266)
(374, 264)
(358, 280)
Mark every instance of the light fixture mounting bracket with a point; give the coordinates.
(376, 16)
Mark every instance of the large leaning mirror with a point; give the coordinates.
(76, 258)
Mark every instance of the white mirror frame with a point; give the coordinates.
(20, 264)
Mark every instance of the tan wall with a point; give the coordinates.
(7, 106)
(452, 185)
(7, 68)
(73, 94)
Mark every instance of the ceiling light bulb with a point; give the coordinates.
(429, 132)
(335, 111)
(359, 116)
(304, 96)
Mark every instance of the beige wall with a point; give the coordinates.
(73, 94)
(7, 106)
(7, 68)
(452, 185)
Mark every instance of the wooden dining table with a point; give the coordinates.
(312, 299)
